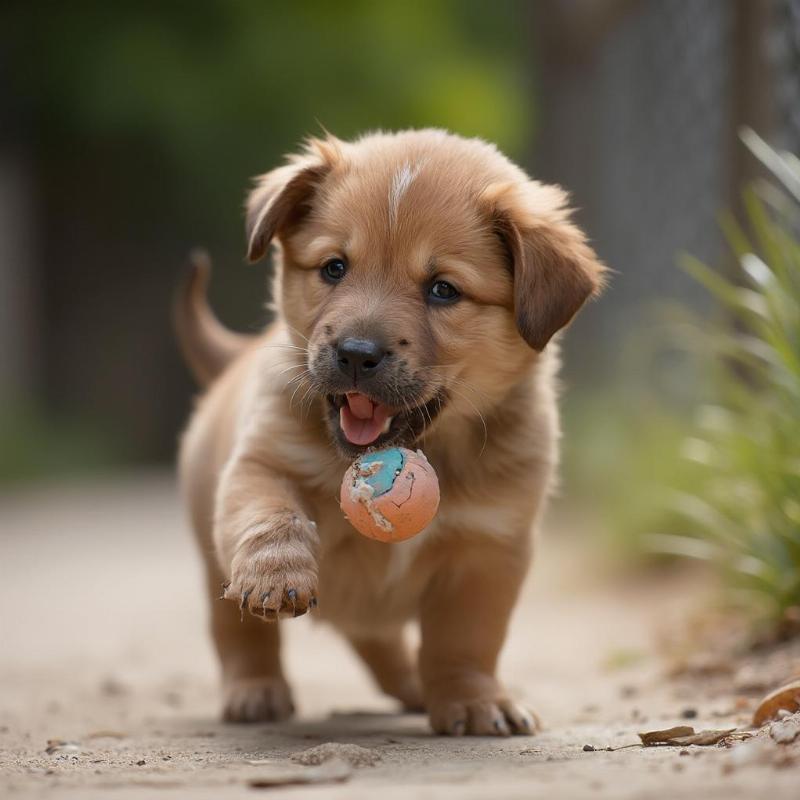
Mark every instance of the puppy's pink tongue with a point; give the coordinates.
(362, 420)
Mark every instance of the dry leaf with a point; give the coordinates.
(703, 739)
(663, 737)
(787, 698)
(335, 771)
(683, 735)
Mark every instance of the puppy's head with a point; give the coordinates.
(424, 273)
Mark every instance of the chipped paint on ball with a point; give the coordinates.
(391, 494)
(390, 464)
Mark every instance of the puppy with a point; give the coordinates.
(419, 278)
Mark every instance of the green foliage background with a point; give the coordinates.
(217, 90)
(143, 123)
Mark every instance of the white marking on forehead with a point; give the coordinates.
(401, 180)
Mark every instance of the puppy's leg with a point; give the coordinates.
(392, 667)
(265, 543)
(464, 618)
(249, 652)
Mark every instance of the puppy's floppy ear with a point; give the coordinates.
(554, 269)
(282, 197)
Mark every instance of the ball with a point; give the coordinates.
(390, 495)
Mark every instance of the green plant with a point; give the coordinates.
(743, 509)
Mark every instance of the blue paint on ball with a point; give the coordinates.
(391, 462)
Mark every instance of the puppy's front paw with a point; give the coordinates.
(461, 710)
(274, 573)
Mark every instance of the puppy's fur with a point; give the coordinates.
(263, 457)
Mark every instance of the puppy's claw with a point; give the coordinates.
(243, 604)
(225, 586)
(519, 719)
(459, 727)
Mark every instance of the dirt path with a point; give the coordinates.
(102, 644)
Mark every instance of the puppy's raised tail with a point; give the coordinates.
(206, 344)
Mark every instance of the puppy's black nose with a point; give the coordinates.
(359, 358)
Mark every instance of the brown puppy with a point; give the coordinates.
(419, 278)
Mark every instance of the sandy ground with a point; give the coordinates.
(103, 646)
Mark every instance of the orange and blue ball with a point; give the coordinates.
(390, 495)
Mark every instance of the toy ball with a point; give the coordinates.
(390, 495)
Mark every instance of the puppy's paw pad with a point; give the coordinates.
(257, 700)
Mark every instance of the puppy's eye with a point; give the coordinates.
(443, 292)
(334, 270)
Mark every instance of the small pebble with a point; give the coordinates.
(689, 713)
(587, 748)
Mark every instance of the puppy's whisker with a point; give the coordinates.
(480, 397)
(289, 350)
(292, 366)
(420, 407)
(305, 411)
(480, 416)
(460, 381)
(296, 389)
(468, 385)
(282, 346)
(294, 330)
(298, 379)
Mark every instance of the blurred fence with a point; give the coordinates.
(640, 107)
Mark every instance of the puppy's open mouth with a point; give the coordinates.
(362, 421)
